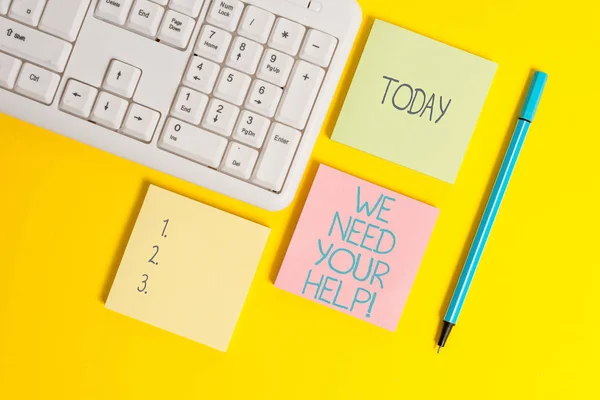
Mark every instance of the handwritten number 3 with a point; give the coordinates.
(144, 283)
(151, 260)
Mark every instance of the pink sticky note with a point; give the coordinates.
(357, 248)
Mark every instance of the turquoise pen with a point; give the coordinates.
(528, 110)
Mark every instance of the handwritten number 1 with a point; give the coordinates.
(151, 260)
(166, 221)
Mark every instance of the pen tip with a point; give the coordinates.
(439, 348)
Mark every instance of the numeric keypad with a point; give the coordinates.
(252, 82)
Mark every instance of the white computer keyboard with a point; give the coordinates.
(226, 94)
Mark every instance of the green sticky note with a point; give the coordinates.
(414, 101)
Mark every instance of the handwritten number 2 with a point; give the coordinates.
(151, 260)
(144, 282)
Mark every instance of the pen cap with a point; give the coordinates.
(536, 87)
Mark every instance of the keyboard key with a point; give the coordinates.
(145, 17)
(63, 18)
(264, 98)
(161, 2)
(4, 5)
(121, 78)
(33, 45)
(140, 123)
(318, 48)
(201, 74)
(188, 7)
(109, 110)
(220, 117)
(225, 14)
(276, 157)
(176, 29)
(300, 94)
(78, 98)
(287, 36)
(251, 129)
(315, 6)
(239, 160)
(37, 83)
(244, 55)
(275, 67)
(256, 24)
(232, 86)
(114, 11)
(193, 143)
(189, 105)
(27, 11)
(9, 69)
(213, 43)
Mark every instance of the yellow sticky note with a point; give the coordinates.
(187, 268)
(414, 101)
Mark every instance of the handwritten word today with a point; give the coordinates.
(414, 100)
(355, 257)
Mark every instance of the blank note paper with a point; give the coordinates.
(357, 248)
(187, 268)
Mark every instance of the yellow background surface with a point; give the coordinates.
(528, 330)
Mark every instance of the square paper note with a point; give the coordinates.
(187, 268)
(414, 101)
(357, 248)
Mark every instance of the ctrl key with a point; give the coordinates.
(37, 83)
(192, 143)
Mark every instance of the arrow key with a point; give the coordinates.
(121, 78)
(244, 55)
(78, 98)
(201, 74)
(140, 123)
(264, 98)
(220, 117)
(109, 110)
